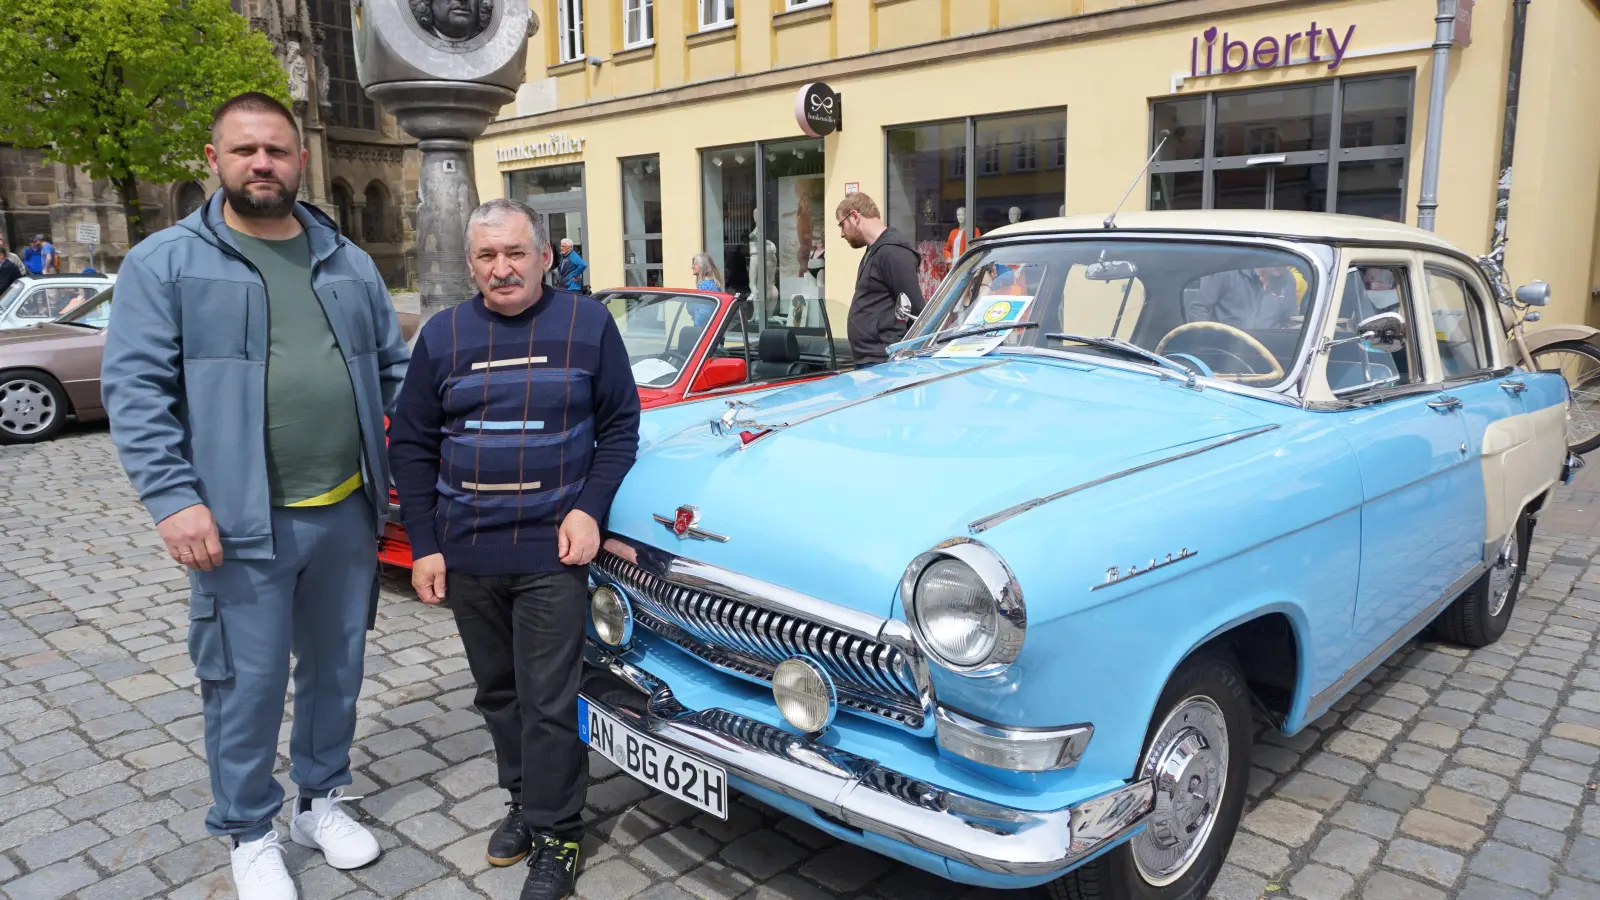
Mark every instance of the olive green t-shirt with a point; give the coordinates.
(313, 438)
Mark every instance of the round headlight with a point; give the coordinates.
(956, 612)
(805, 694)
(613, 619)
(964, 606)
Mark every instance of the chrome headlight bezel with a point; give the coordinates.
(1011, 614)
(624, 607)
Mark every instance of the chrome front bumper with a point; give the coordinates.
(862, 794)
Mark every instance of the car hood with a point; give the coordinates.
(45, 332)
(863, 471)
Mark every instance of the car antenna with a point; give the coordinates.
(1111, 220)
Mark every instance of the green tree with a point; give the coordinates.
(126, 88)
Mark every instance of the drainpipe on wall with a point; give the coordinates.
(1444, 34)
(1508, 138)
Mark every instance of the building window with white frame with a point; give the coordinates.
(715, 14)
(805, 4)
(638, 23)
(569, 30)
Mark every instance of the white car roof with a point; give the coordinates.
(1325, 227)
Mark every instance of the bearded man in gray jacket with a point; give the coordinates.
(251, 356)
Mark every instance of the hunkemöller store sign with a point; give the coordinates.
(1210, 56)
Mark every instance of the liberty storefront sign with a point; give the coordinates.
(1210, 56)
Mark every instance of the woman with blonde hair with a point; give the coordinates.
(706, 275)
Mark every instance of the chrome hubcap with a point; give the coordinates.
(1189, 761)
(26, 407)
(1504, 575)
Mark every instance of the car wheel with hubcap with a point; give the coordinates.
(1480, 615)
(1198, 753)
(32, 407)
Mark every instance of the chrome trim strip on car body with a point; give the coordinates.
(1325, 697)
(863, 794)
(978, 526)
(763, 430)
(745, 627)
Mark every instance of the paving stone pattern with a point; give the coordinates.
(1447, 774)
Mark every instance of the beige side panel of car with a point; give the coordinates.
(1521, 460)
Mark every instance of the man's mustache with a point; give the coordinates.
(508, 281)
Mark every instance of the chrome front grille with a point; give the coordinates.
(872, 678)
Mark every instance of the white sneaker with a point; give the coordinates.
(258, 870)
(326, 827)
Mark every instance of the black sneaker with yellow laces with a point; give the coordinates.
(552, 868)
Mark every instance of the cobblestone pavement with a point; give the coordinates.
(1446, 774)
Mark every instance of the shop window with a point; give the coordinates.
(569, 30)
(766, 218)
(641, 222)
(715, 13)
(1332, 146)
(556, 194)
(638, 23)
(1021, 169)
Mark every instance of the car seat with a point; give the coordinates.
(778, 355)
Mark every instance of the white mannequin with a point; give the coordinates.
(1014, 215)
(1062, 211)
(955, 243)
(769, 294)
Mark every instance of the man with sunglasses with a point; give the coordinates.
(887, 295)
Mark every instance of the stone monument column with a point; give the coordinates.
(444, 68)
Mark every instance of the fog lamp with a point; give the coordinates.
(805, 694)
(612, 616)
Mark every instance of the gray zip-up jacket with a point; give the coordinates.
(184, 375)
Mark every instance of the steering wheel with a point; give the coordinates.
(1255, 378)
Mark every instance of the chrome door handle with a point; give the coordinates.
(1445, 404)
(1513, 387)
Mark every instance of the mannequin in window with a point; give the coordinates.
(955, 243)
(766, 298)
(1014, 215)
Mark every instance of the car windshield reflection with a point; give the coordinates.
(660, 331)
(1235, 312)
(93, 313)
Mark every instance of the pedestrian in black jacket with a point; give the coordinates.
(10, 270)
(888, 295)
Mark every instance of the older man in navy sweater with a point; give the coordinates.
(516, 424)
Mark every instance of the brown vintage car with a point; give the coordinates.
(50, 373)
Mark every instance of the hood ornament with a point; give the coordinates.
(684, 524)
(729, 423)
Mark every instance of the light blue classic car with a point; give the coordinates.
(1002, 607)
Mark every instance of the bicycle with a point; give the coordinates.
(1564, 349)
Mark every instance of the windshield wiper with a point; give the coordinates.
(1128, 349)
(953, 334)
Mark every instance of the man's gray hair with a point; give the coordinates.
(495, 210)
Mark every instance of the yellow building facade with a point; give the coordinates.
(652, 130)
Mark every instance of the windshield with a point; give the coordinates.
(9, 298)
(1230, 311)
(95, 313)
(660, 331)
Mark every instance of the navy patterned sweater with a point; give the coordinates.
(507, 423)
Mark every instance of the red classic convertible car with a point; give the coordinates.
(689, 345)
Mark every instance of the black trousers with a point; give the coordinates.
(524, 639)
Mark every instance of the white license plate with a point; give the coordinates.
(668, 770)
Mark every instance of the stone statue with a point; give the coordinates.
(324, 76)
(295, 63)
(453, 20)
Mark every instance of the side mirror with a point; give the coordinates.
(1534, 293)
(721, 372)
(1386, 331)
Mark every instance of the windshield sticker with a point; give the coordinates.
(991, 310)
(652, 369)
